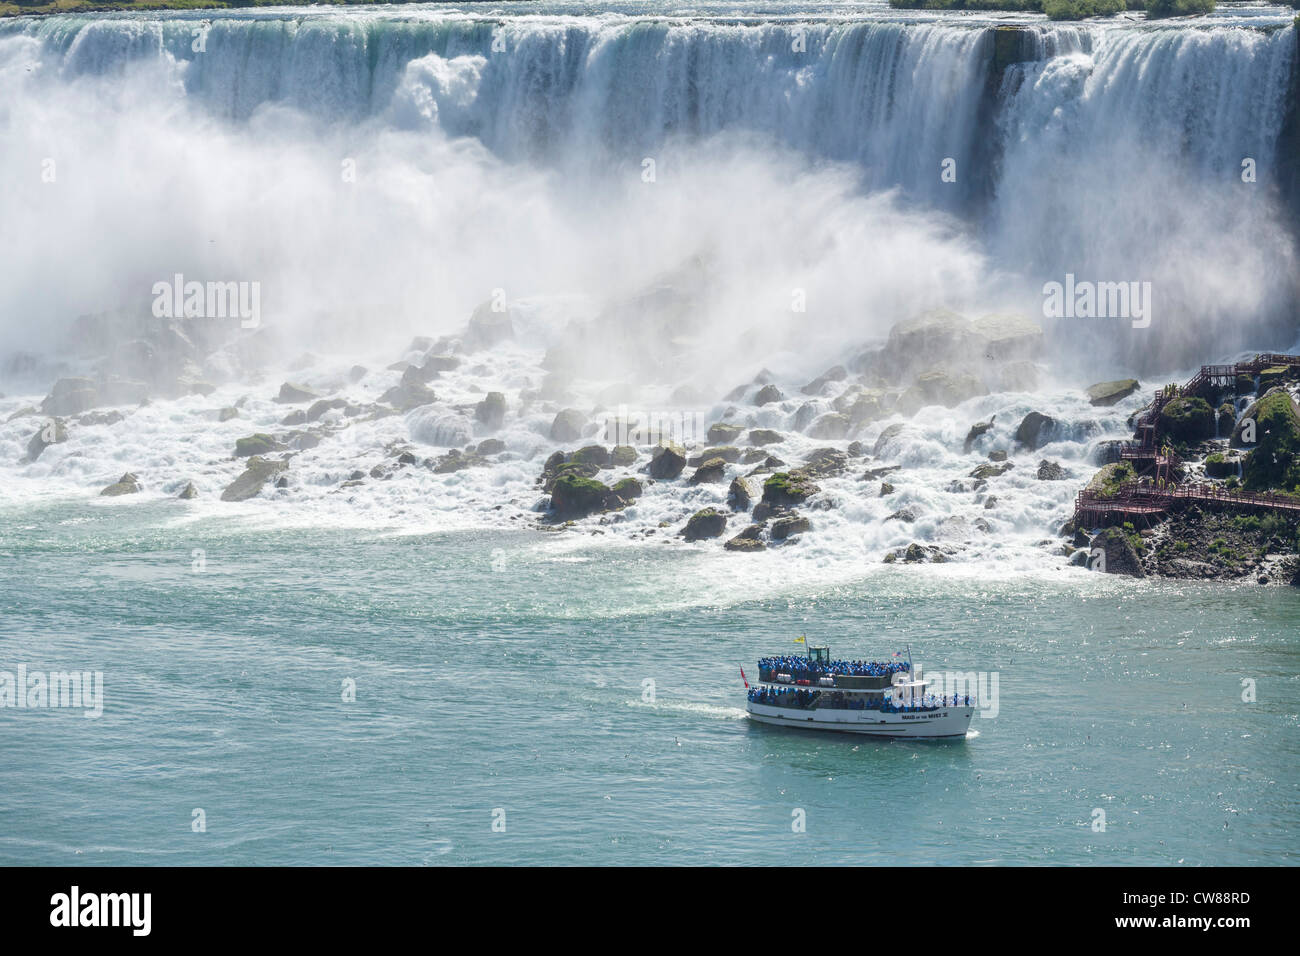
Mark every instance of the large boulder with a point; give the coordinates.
(1121, 555)
(406, 397)
(818, 385)
(765, 436)
(668, 460)
(706, 523)
(767, 395)
(789, 526)
(258, 472)
(976, 430)
(787, 488)
(575, 497)
(1188, 418)
(1104, 394)
(832, 425)
(1036, 430)
(568, 425)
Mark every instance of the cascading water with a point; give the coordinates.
(500, 151)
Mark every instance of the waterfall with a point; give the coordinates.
(1111, 151)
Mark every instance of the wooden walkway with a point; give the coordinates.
(1157, 492)
(1146, 498)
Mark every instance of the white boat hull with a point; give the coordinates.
(944, 722)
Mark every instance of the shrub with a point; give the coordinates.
(1158, 9)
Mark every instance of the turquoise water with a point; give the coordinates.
(506, 671)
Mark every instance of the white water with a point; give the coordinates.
(523, 170)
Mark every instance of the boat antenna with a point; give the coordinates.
(910, 669)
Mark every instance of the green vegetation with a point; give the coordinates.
(1188, 419)
(1274, 463)
(1081, 9)
(1159, 9)
(18, 8)
(1107, 481)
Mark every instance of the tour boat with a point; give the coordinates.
(881, 699)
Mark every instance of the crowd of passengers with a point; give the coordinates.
(803, 697)
(799, 667)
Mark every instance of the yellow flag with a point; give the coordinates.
(800, 640)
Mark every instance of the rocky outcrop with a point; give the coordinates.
(767, 395)
(1051, 471)
(1121, 552)
(723, 433)
(258, 472)
(189, 492)
(789, 526)
(1274, 461)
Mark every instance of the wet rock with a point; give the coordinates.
(128, 484)
(491, 412)
(488, 326)
(985, 472)
(111, 417)
(818, 385)
(227, 413)
(122, 391)
(1105, 394)
(292, 394)
(723, 433)
(706, 523)
(668, 460)
(573, 496)
(855, 450)
(939, 387)
(357, 373)
(296, 417)
(1188, 418)
(623, 456)
(997, 455)
(70, 396)
(568, 425)
(259, 470)
(51, 432)
(871, 474)
(488, 446)
(740, 494)
(886, 438)
(1051, 471)
(825, 463)
(903, 514)
(742, 542)
(628, 489)
(728, 453)
(976, 430)
(406, 397)
(832, 425)
(788, 527)
(712, 471)
(767, 395)
(785, 489)
(189, 492)
(886, 489)
(597, 455)
(1121, 555)
(257, 444)
(1035, 430)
